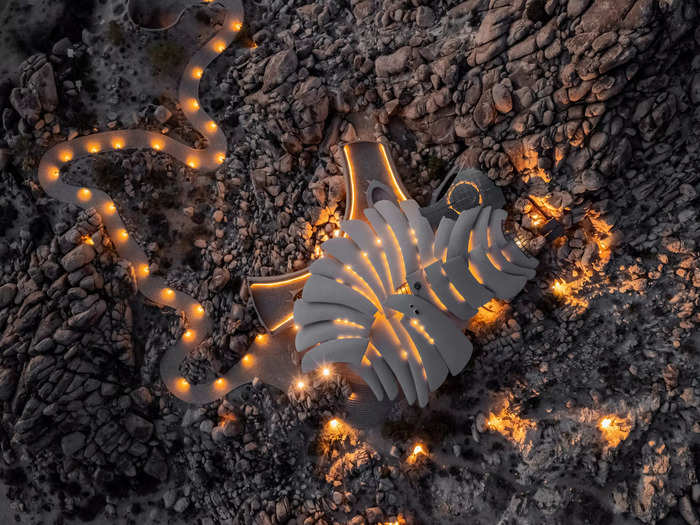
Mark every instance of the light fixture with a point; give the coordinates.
(54, 173)
(110, 208)
(167, 294)
(123, 235)
(197, 72)
(84, 194)
(117, 144)
(236, 25)
(188, 335)
(144, 270)
(212, 126)
(93, 147)
(220, 158)
(66, 156)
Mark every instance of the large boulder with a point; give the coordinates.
(26, 103)
(78, 257)
(43, 83)
(278, 68)
(393, 64)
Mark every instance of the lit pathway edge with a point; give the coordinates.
(198, 322)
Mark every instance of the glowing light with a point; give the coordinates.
(192, 163)
(348, 323)
(168, 294)
(197, 72)
(110, 208)
(144, 270)
(183, 384)
(326, 371)
(220, 46)
(93, 147)
(220, 158)
(198, 310)
(247, 360)
(351, 171)
(88, 240)
(378, 241)
(84, 194)
(394, 181)
(336, 233)
(286, 282)
(66, 156)
(415, 323)
(157, 145)
(117, 143)
(194, 104)
(211, 125)
(614, 430)
(282, 322)
(220, 383)
(509, 424)
(54, 173)
(260, 338)
(123, 235)
(236, 25)
(188, 335)
(334, 424)
(300, 385)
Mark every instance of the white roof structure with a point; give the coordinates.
(388, 299)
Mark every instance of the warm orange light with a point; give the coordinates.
(84, 194)
(614, 430)
(66, 156)
(351, 172)
(220, 46)
(144, 270)
(197, 72)
(194, 104)
(300, 385)
(183, 384)
(211, 125)
(334, 424)
(509, 424)
(220, 383)
(418, 449)
(236, 25)
(247, 360)
(275, 284)
(123, 235)
(220, 158)
(326, 372)
(282, 322)
(93, 147)
(110, 208)
(260, 338)
(188, 335)
(88, 240)
(54, 173)
(198, 310)
(394, 181)
(157, 145)
(192, 163)
(117, 143)
(168, 294)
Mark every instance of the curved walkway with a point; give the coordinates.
(198, 322)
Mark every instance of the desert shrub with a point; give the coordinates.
(115, 33)
(166, 55)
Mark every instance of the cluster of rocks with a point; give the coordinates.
(583, 111)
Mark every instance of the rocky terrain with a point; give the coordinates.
(581, 404)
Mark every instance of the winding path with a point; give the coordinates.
(197, 320)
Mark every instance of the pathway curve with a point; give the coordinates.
(197, 320)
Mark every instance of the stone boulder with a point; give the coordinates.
(26, 103)
(278, 68)
(393, 64)
(43, 83)
(78, 257)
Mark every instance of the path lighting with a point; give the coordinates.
(168, 294)
(66, 156)
(117, 143)
(84, 194)
(197, 72)
(54, 173)
(220, 158)
(198, 310)
(88, 240)
(334, 424)
(123, 235)
(194, 104)
(183, 384)
(300, 385)
(188, 335)
(237, 25)
(247, 360)
(157, 145)
(211, 125)
(144, 270)
(110, 208)
(220, 383)
(93, 147)
(192, 163)
(326, 371)
(220, 46)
